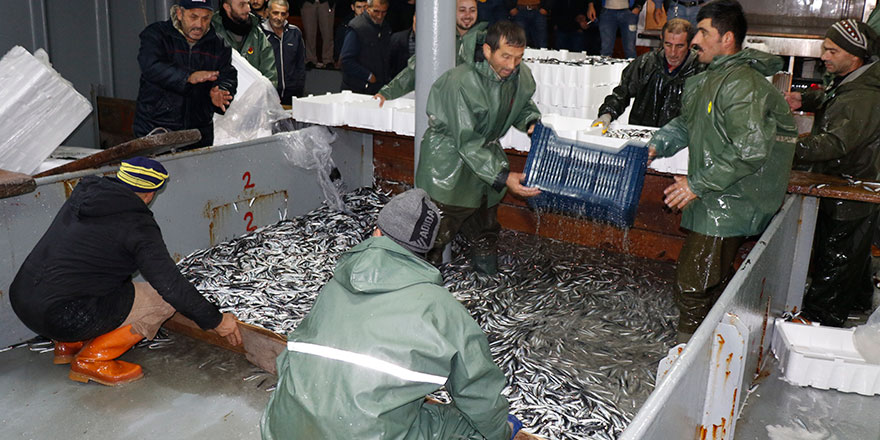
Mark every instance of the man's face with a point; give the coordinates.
(505, 59)
(838, 61)
(707, 41)
(195, 22)
(278, 16)
(237, 9)
(257, 5)
(359, 7)
(675, 47)
(465, 15)
(377, 12)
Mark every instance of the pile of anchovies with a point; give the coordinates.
(578, 332)
(590, 60)
(642, 134)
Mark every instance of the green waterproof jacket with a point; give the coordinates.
(845, 139)
(255, 47)
(657, 93)
(740, 134)
(382, 334)
(405, 81)
(469, 108)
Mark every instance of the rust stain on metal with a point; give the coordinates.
(177, 257)
(702, 432)
(727, 370)
(69, 185)
(763, 326)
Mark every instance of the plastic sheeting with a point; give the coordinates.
(309, 148)
(39, 109)
(867, 338)
(254, 110)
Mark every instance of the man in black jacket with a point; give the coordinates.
(367, 50)
(403, 46)
(655, 79)
(76, 284)
(290, 52)
(186, 73)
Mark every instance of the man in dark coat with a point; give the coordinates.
(655, 79)
(290, 52)
(844, 141)
(76, 284)
(186, 73)
(403, 46)
(367, 50)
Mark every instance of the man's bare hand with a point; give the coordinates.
(794, 100)
(658, 15)
(513, 12)
(679, 194)
(201, 76)
(380, 98)
(228, 328)
(591, 11)
(372, 79)
(514, 184)
(220, 98)
(531, 129)
(636, 10)
(652, 153)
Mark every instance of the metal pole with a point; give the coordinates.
(435, 43)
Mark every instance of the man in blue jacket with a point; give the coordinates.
(290, 53)
(75, 286)
(186, 73)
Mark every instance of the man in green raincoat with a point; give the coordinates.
(465, 23)
(462, 165)
(382, 334)
(234, 23)
(844, 141)
(740, 135)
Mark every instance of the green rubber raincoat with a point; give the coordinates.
(405, 81)
(657, 93)
(741, 136)
(382, 334)
(469, 108)
(845, 139)
(255, 47)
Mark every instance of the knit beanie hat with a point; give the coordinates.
(194, 4)
(411, 220)
(142, 175)
(853, 36)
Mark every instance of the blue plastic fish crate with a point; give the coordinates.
(583, 180)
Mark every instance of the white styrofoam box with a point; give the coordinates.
(824, 358)
(677, 164)
(404, 117)
(326, 109)
(367, 114)
(516, 139)
(247, 74)
(39, 109)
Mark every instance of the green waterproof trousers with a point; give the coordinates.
(705, 266)
(440, 422)
(478, 225)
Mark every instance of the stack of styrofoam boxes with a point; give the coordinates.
(356, 110)
(38, 110)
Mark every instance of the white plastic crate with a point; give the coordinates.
(824, 358)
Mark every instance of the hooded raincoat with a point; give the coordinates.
(405, 81)
(254, 47)
(469, 108)
(741, 135)
(657, 92)
(382, 334)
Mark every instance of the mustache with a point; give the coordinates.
(697, 47)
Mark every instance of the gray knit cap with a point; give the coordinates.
(411, 219)
(852, 36)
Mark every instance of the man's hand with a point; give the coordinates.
(543, 11)
(380, 98)
(220, 98)
(794, 100)
(372, 79)
(531, 128)
(591, 12)
(636, 10)
(679, 194)
(581, 20)
(658, 14)
(201, 76)
(228, 328)
(652, 153)
(514, 184)
(604, 121)
(514, 11)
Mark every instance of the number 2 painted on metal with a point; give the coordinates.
(250, 218)
(247, 178)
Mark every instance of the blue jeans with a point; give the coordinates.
(623, 19)
(688, 13)
(535, 25)
(491, 11)
(570, 40)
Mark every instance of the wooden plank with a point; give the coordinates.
(15, 184)
(145, 146)
(823, 185)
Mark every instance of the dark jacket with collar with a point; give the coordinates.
(400, 51)
(166, 98)
(367, 50)
(76, 283)
(290, 59)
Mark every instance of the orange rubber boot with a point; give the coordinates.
(96, 362)
(66, 351)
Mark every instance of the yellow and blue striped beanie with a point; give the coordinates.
(142, 174)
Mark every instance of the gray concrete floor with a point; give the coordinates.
(190, 390)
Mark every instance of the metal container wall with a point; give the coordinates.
(214, 194)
